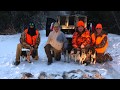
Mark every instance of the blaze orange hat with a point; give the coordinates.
(99, 25)
(80, 23)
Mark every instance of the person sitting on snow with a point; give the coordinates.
(30, 39)
(56, 42)
(99, 41)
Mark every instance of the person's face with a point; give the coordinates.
(31, 26)
(99, 30)
(80, 29)
(56, 29)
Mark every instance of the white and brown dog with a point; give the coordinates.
(25, 54)
(87, 55)
(82, 56)
(74, 56)
(92, 53)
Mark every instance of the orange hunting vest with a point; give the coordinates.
(31, 40)
(98, 40)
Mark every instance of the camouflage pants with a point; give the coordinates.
(101, 57)
(19, 51)
(55, 53)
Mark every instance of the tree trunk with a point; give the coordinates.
(115, 19)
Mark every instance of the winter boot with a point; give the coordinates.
(49, 62)
(16, 63)
(108, 57)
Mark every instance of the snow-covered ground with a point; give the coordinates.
(8, 44)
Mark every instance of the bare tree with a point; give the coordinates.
(115, 19)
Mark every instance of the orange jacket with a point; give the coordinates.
(100, 42)
(78, 40)
(31, 40)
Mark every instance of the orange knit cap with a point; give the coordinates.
(80, 23)
(99, 25)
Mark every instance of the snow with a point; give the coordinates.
(8, 45)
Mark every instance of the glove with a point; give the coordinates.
(82, 46)
(35, 46)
